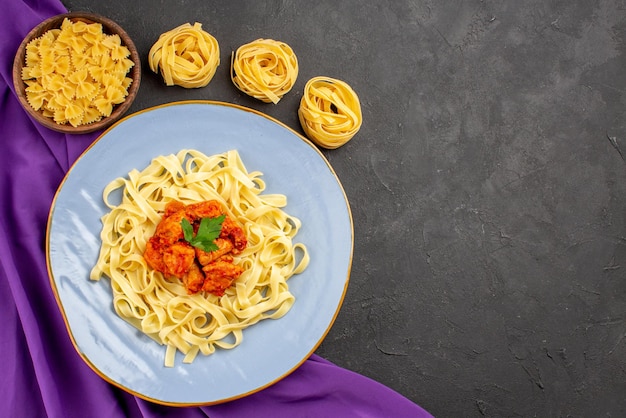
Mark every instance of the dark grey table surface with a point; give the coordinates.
(487, 186)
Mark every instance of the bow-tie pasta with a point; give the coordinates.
(76, 74)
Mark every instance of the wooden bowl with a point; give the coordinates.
(108, 27)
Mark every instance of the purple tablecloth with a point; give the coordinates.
(42, 375)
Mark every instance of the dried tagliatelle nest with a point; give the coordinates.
(264, 69)
(329, 112)
(186, 56)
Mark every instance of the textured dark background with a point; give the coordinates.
(487, 184)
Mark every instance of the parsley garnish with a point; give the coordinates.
(208, 231)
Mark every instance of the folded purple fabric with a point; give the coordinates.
(42, 374)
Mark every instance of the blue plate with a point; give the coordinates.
(271, 349)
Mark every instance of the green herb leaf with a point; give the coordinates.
(187, 229)
(208, 231)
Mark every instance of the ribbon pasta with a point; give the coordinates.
(329, 112)
(186, 56)
(264, 69)
(160, 306)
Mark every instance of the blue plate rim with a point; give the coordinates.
(57, 297)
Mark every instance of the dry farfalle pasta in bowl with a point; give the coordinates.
(185, 56)
(264, 69)
(329, 112)
(76, 72)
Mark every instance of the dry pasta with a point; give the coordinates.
(76, 74)
(160, 306)
(264, 69)
(329, 112)
(186, 56)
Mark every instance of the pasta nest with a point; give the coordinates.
(186, 56)
(329, 112)
(264, 69)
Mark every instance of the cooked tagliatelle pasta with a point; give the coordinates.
(160, 306)
(186, 56)
(329, 112)
(264, 69)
